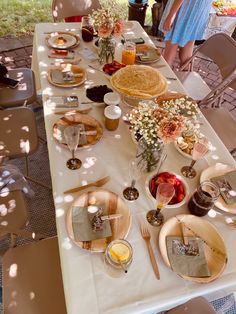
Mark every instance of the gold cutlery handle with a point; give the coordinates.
(80, 188)
(153, 260)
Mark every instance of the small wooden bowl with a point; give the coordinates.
(215, 249)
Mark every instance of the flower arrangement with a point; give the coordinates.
(155, 125)
(108, 20)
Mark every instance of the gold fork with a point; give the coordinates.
(97, 183)
(146, 236)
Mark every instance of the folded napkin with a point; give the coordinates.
(188, 260)
(60, 77)
(82, 227)
(227, 186)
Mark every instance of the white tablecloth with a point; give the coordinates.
(219, 24)
(88, 288)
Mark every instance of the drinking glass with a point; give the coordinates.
(87, 28)
(165, 192)
(72, 135)
(128, 53)
(199, 151)
(131, 193)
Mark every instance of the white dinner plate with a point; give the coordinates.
(215, 171)
(69, 41)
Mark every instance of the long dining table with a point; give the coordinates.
(87, 286)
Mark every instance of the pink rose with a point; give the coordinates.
(118, 28)
(170, 129)
(104, 31)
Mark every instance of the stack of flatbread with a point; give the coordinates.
(139, 81)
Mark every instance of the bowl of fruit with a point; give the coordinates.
(180, 186)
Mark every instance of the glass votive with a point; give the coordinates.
(118, 257)
(128, 53)
(112, 116)
(112, 99)
(203, 198)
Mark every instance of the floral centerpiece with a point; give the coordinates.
(153, 126)
(108, 21)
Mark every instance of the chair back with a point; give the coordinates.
(221, 49)
(67, 8)
(32, 280)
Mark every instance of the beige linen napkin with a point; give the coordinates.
(82, 228)
(188, 260)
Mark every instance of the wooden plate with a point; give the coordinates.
(215, 171)
(72, 40)
(120, 227)
(215, 249)
(89, 122)
(68, 67)
(152, 53)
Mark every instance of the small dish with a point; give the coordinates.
(217, 170)
(185, 154)
(214, 246)
(181, 187)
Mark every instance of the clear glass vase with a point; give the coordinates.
(106, 49)
(149, 155)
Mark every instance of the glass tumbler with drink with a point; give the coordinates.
(128, 53)
(165, 192)
(203, 198)
(87, 28)
(118, 257)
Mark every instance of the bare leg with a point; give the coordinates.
(170, 52)
(185, 53)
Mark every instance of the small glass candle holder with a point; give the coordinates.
(118, 257)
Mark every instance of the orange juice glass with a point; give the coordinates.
(128, 53)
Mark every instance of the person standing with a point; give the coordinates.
(183, 22)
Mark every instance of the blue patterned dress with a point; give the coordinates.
(190, 22)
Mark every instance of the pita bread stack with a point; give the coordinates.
(139, 81)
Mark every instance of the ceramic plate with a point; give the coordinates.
(152, 54)
(90, 124)
(120, 227)
(61, 40)
(215, 249)
(216, 171)
(79, 79)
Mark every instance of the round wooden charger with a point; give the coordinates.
(215, 249)
(90, 124)
(73, 68)
(115, 205)
(154, 53)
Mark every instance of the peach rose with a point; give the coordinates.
(104, 31)
(118, 28)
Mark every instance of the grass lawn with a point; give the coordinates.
(18, 17)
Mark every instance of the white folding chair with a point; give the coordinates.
(221, 49)
(32, 280)
(68, 8)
